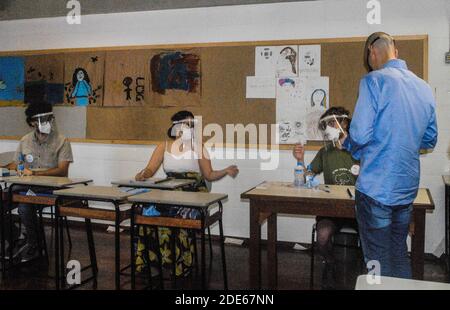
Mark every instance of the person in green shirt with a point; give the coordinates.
(338, 168)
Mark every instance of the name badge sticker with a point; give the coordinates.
(355, 169)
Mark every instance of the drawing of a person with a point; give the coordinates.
(319, 98)
(287, 62)
(81, 87)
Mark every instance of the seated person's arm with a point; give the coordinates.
(153, 165)
(61, 171)
(316, 164)
(213, 175)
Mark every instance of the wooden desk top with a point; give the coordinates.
(94, 192)
(169, 184)
(446, 179)
(56, 182)
(188, 199)
(337, 192)
(388, 283)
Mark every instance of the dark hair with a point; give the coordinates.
(180, 115)
(337, 111)
(35, 108)
(74, 76)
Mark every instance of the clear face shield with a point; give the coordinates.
(43, 122)
(331, 129)
(184, 132)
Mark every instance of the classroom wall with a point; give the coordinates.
(300, 20)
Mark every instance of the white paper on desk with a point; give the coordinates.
(309, 60)
(277, 61)
(261, 87)
(317, 101)
(290, 110)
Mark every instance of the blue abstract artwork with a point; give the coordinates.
(12, 79)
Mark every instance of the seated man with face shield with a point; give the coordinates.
(338, 168)
(182, 156)
(44, 152)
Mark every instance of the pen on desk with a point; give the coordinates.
(349, 193)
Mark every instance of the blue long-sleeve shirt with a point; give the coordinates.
(393, 119)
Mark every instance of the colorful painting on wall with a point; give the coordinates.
(12, 80)
(44, 78)
(176, 78)
(83, 76)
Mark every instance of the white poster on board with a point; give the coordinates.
(261, 87)
(290, 111)
(277, 61)
(317, 101)
(309, 60)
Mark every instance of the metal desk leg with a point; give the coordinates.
(132, 249)
(202, 258)
(57, 275)
(61, 251)
(3, 239)
(117, 244)
(92, 254)
(222, 249)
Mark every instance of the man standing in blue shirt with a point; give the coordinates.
(393, 119)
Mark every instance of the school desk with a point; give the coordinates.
(270, 198)
(197, 200)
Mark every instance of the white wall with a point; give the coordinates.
(318, 19)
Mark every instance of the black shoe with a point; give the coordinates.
(329, 276)
(28, 253)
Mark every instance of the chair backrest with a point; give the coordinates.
(6, 158)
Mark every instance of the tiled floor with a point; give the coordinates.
(293, 267)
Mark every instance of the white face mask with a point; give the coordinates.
(45, 127)
(186, 136)
(332, 133)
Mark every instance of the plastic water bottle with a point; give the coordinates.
(21, 165)
(299, 175)
(309, 177)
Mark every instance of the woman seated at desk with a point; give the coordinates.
(180, 159)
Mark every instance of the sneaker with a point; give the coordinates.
(27, 253)
(30, 254)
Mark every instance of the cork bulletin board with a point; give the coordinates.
(220, 93)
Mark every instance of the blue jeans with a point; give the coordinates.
(383, 231)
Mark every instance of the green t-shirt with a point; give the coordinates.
(338, 166)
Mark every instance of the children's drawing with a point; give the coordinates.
(84, 75)
(312, 125)
(289, 92)
(317, 101)
(319, 98)
(276, 61)
(175, 71)
(290, 110)
(44, 80)
(285, 131)
(82, 89)
(12, 79)
(287, 62)
(310, 60)
(260, 87)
